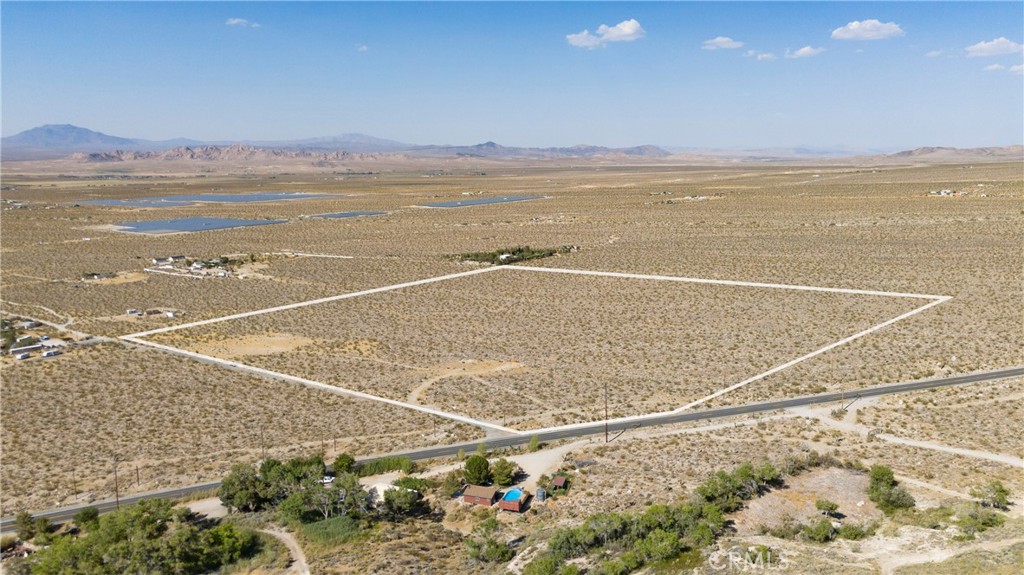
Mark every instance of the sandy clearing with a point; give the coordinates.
(253, 345)
(120, 278)
(210, 507)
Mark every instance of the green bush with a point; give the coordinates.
(87, 518)
(385, 465)
(820, 532)
(413, 483)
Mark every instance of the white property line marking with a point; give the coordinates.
(319, 385)
(309, 303)
(725, 282)
(936, 300)
(828, 347)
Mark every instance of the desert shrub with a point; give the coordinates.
(820, 532)
(885, 492)
(7, 542)
(855, 532)
(992, 494)
(413, 483)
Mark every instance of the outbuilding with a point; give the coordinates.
(479, 495)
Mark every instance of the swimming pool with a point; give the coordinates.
(514, 494)
(481, 201)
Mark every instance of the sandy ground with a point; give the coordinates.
(471, 368)
(211, 507)
(121, 278)
(847, 425)
(298, 563)
(253, 345)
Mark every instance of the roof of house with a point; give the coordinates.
(479, 491)
(559, 481)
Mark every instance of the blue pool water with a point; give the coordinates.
(190, 225)
(188, 200)
(481, 201)
(337, 215)
(512, 495)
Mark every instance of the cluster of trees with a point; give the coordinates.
(662, 532)
(478, 471)
(148, 537)
(298, 491)
(295, 488)
(513, 255)
(887, 494)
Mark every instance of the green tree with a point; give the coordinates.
(400, 502)
(242, 489)
(544, 564)
(534, 443)
(992, 494)
(343, 463)
(353, 497)
(504, 472)
(461, 455)
(481, 449)
(24, 526)
(477, 471)
(42, 527)
(87, 518)
(658, 545)
(827, 507)
(451, 484)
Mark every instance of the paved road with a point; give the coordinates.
(66, 513)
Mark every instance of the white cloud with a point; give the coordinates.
(994, 68)
(721, 42)
(362, 48)
(805, 52)
(242, 22)
(934, 54)
(625, 31)
(996, 47)
(1018, 69)
(761, 56)
(867, 30)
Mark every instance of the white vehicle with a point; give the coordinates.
(327, 480)
(44, 338)
(51, 352)
(25, 355)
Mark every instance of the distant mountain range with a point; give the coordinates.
(55, 141)
(64, 140)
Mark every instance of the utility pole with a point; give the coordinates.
(606, 411)
(117, 495)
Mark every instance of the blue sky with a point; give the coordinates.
(862, 75)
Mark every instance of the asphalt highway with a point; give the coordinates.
(66, 513)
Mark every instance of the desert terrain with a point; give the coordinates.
(512, 349)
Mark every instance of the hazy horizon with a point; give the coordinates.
(880, 76)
